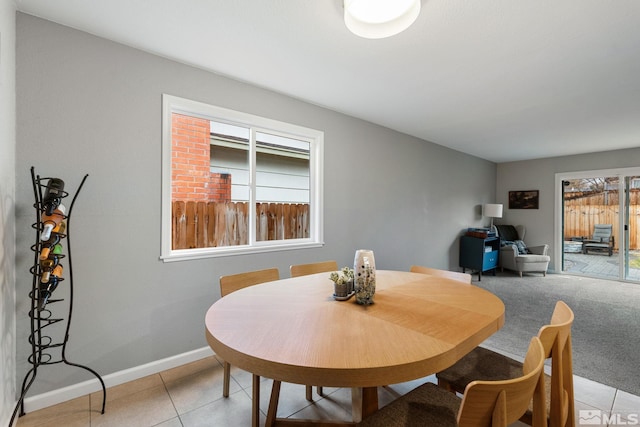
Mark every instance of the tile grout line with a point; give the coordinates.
(613, 402)
(166, 389)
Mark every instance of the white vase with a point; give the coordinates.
(364, 271)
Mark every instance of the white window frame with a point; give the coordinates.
(172, 104)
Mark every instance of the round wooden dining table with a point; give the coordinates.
(293, 330)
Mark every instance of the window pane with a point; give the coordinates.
(229, 169)
(204, 211)
(230, 155)
(282, 187)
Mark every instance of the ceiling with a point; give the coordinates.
(503, 80)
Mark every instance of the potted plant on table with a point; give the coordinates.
(342, 282)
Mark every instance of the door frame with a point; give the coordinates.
(558, 256)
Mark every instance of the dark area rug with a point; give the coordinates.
(606, 329)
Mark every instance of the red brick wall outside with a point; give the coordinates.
(221, 187)
(190, 166)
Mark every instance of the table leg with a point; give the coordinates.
(255, 402)
(364, 402)
(356, 404)
(273, 404)
(227, 379)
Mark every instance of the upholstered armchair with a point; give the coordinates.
(516, 256)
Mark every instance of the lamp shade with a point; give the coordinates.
(492, 210)
(376, 19)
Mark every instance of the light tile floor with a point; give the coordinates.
(191, 396)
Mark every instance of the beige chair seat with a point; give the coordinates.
(427, 405)
(530, 263)
(481, 363)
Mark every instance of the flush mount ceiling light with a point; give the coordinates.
(375, 19)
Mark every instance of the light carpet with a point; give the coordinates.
(606, 329)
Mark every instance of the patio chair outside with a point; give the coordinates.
(601, 240)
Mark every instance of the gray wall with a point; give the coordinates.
(540, 175)
(89, 106)
(7, 206)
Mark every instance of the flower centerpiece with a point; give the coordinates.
(342, 281)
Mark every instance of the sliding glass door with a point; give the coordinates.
(631, 228)
(599, 212)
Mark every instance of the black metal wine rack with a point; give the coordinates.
(40, 313)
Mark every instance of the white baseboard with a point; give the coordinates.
(54, 397)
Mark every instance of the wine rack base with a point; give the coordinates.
(52, 227)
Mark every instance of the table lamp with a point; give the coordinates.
(492, 211)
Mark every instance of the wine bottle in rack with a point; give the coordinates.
(47, 288)
(52, 195)
(48, 247)
(47, 266)
(60, 228)
(49, 222)
(57, 272)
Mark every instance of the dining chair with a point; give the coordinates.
(556, 390)
(484, 403)
(454, 275)
(304, 270)
(232, 283)
(313, 268)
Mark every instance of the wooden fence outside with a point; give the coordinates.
(581, 215)
(609, 197)
(212, 224)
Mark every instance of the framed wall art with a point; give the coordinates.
(524, 199)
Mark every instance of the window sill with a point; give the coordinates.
(191, 254)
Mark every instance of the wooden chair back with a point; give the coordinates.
(454, 275)
(316, 267)
(500, 403)
(556, 340)
(233, 282)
